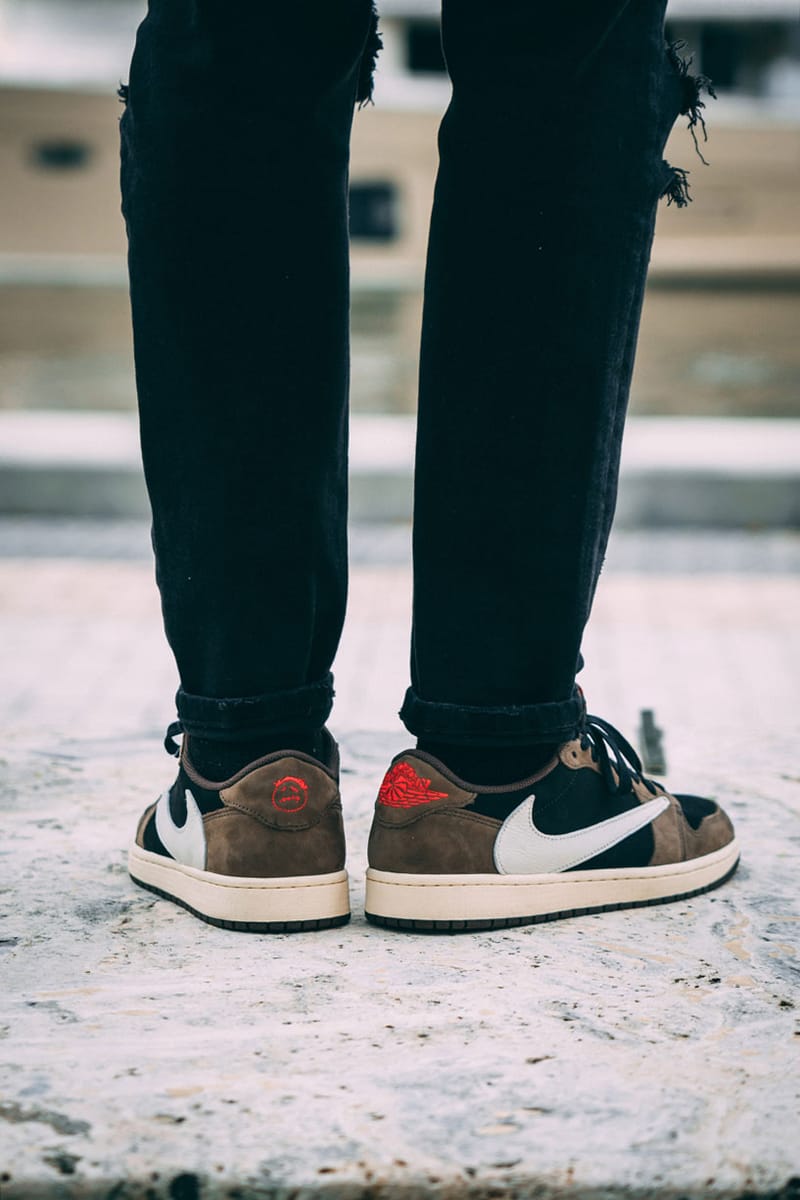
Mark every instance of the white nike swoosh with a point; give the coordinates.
(186, 843)
(522, 849)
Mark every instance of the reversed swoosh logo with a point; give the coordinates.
(186, 843)
(522, 849)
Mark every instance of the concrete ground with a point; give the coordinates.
(651, 1053)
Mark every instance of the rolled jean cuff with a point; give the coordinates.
(511, 725)
(245, 718)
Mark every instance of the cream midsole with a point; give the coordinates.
(483, 897)
(229, 898)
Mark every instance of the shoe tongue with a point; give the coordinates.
(412, 783)
(288, 793)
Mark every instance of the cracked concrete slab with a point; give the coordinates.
(650, 1053)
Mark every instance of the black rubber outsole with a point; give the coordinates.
(412, 925)
(249, 926)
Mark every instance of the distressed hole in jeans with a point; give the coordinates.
(122, 93)
(676, 186)
(369, 59)
(693, 86)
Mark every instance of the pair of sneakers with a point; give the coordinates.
(264, 851)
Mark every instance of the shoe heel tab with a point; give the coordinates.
(292, 791)
(416, 784)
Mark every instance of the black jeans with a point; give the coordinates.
(235, 143)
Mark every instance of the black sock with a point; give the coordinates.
(491, 766)
(217, 761)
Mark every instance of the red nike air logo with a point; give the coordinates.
(404, 788)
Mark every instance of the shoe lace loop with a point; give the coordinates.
(170, 745)
(619, 763)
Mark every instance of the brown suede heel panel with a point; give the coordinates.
(239, 844)
(402, 818)
(140, 828)
(287, 794)
(412, 789)
(446, 842)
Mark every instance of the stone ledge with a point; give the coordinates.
(676, 471)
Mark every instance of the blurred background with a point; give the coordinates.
(714, 440)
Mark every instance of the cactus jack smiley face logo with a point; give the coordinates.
(290, 794)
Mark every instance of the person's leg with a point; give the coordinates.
(551, 168)
(516, 806)
(235, 143)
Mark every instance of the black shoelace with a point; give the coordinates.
(170, 745)
(600, 737)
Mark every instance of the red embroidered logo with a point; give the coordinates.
(404, 788)
(290, 794)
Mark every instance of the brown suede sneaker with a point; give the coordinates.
(587, 833)
(264, 851)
